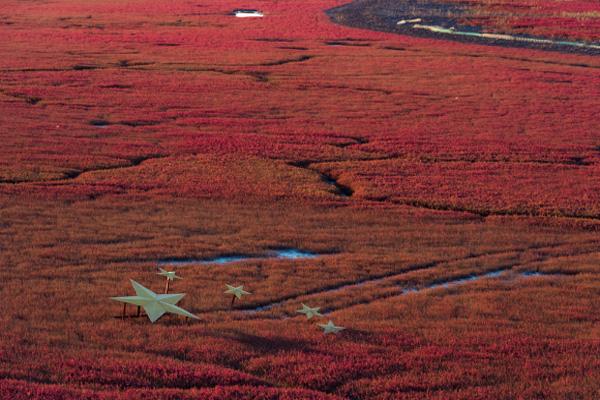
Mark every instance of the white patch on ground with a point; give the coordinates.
(249, 14)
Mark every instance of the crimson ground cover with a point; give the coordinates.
(135, 131)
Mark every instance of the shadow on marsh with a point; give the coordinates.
(269, 344)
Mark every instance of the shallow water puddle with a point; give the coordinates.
(461, 281)
(472, 278)
(457, 282)
(280, 254)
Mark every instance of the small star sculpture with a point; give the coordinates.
(330, 327)
(236, 291)
(310, 311)
(170, 275)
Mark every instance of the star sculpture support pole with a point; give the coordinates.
(155, 305)
(310, 312)
(237, 292)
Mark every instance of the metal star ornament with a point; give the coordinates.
(310, 312)
(236, 291)
(170, 275)
(155, 305)
(330, 327)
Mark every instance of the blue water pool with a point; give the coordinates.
(281, 254)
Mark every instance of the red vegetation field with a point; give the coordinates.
(135, 131)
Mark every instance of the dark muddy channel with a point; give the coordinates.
(442, 284)
(431, 19)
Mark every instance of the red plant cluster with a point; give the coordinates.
(496, 338)
(19, 390)
(202, 85)
(520, 188)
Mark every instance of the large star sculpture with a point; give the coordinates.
(155, 305)
(309, 311)
(330, 327)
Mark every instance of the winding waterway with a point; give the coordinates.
(428, 18)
